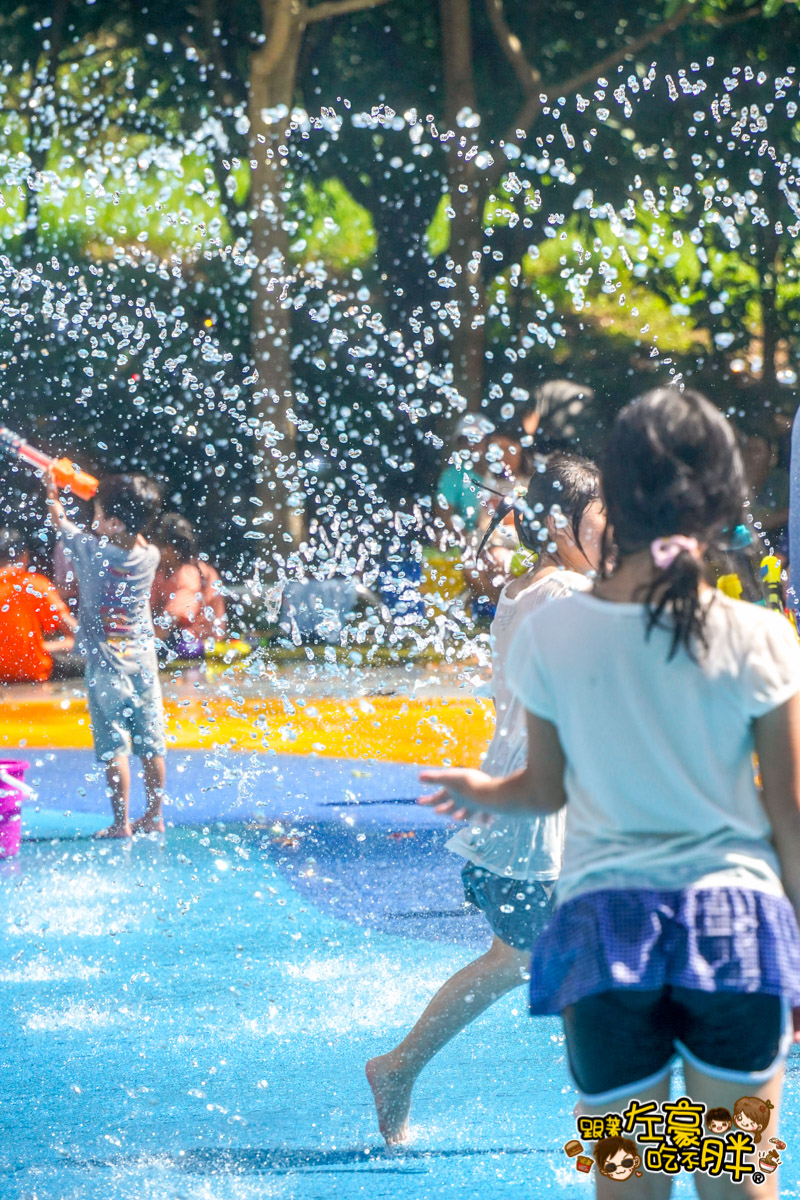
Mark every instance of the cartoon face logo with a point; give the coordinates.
(745, 1122)
(718, 1120)
(616, 1157)
(751, 1115)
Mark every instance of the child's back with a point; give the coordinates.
(660, 779)
(115, 622)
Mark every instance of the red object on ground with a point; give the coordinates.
(13, 791)
(65, 473)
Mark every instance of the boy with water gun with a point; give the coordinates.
(115, 567)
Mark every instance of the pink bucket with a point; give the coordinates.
(13, 790)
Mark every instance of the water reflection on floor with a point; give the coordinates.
(189, 1017)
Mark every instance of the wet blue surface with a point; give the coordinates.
(220, 785)
(188, 1017)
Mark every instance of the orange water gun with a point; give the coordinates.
(64, 473)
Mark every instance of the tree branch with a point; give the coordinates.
(591, 74)
(265, 60)
(534, 103)
(719, 21)
(338, 8)
(511, 46)
(209, 17)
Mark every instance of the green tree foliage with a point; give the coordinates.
(631, 178)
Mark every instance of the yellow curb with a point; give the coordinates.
(385, 728)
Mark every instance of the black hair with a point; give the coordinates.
(13, 545)
(132, 499)
(718, 1114)
(671, 465)
(176, 531)
(607, 1147)
(566, 480)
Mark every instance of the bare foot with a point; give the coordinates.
(147, 824)
(391, 1090)
(115, 831)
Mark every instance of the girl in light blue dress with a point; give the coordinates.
(511, 865)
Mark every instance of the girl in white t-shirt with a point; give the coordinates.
(675, 926)
(511, 865)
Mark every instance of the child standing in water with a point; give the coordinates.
(513, 864)
(115, 567)
(675, 927)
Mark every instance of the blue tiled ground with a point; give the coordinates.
(188, 1017)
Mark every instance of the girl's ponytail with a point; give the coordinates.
(507, 504)
(676, 591)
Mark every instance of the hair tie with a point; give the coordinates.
(666, 550)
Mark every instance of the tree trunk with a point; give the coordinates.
(465, 253)
(273, 71)
(770, 320)
(40, 131)
(770, 333)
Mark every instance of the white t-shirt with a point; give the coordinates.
(659, 778)
(523, 848)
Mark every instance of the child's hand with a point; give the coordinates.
(461, 793)
(57, 514)
(51, 487)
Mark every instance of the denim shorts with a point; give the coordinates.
(624, 1040)
(517, 909)
(127, 713)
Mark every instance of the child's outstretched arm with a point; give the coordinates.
(56, 508)
(537, 787)
(777, 736)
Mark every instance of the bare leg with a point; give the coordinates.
(155, 777)
(465, 996)
(720, 1093)
(118, 784)
(638, 1187)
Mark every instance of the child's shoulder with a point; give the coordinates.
(40, 582)
(533, 592)
(750, 631)
(75, 537)
(750, 624)
(146, 552)
(567, 582)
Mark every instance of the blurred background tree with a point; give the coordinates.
(270, 250)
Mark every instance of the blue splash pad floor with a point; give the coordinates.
(188, 1017)
(217, 785)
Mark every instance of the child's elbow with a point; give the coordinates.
(549, 798)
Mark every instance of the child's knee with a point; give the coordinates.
(508, 956)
